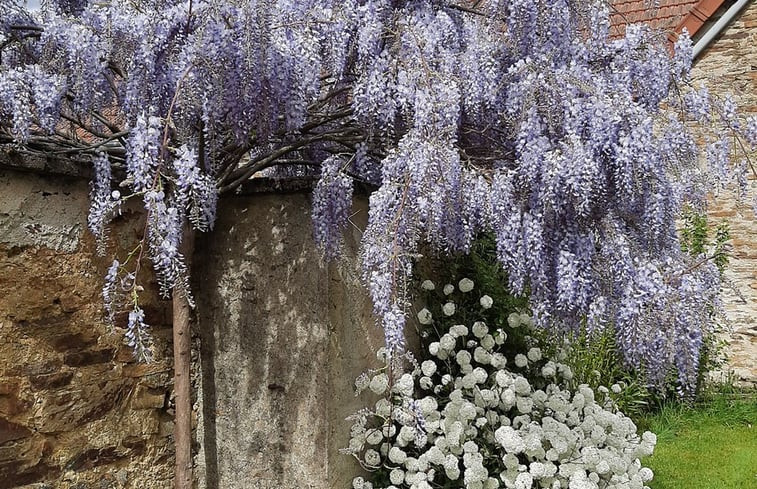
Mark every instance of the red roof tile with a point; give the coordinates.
(668, 15)
(658, 14)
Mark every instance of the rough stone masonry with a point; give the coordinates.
(75, 410)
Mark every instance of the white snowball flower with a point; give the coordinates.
(383, 407)
(389, 430)
(451, 468)
(521, 360)
(397, 455)
(428, 285)
(479, 329)
(649, 437)
(358, 483)
(526, 320)
(463, 357)
(498, 361)
(615, 388)
(397, 476)
(379, 383)
(374, 437)
(488, 342)
(433, 348)
(491, 483)
(521, 386)
(384, 449)
(412, 476)
(468, 381)
(428, 368)
(524, 404)
(480, 375)
(534, 354)
(448, 289)
(646, 474)
(470, 447)
(468, 411)
(482, 356)
(405, 385)
(426, 383)
(425, 317)
(486, 302)
(372, 458)
(548, 371)
(524, 481)
(428, 405)
(434, 455)
(459, 330)
(509, 439)
(356, 444)
(446, 379)
(448, 309)
(503, 378)
(513, 320)
(361, 383)
(537, 470)
(566, 372)
(447, 342)
(465, 285)
(511, 461)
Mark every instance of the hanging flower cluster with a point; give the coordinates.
(521, 119)
(469, 416)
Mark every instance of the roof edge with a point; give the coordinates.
(695, 19)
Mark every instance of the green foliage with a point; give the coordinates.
(596, 361)
(696, 241)
(700, 240)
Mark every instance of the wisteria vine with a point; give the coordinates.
(518, 118)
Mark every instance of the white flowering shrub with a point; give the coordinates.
(472, 413)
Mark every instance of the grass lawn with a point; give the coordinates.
(712, 445)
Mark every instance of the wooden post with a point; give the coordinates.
(182, 340)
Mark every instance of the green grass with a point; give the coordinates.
(712, 445)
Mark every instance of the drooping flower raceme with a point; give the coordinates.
(521, 119)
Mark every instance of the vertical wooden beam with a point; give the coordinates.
(182, 353)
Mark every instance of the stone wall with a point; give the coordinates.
(280, 338)
(729, 65)
(75, 410)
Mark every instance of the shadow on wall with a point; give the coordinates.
(283, 337)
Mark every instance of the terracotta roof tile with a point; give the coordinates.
(658, 14)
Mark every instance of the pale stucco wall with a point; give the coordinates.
(284, 335)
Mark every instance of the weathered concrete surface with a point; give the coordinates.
(35, 213)
(283, 337)
(75, 410)
(729, 66)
